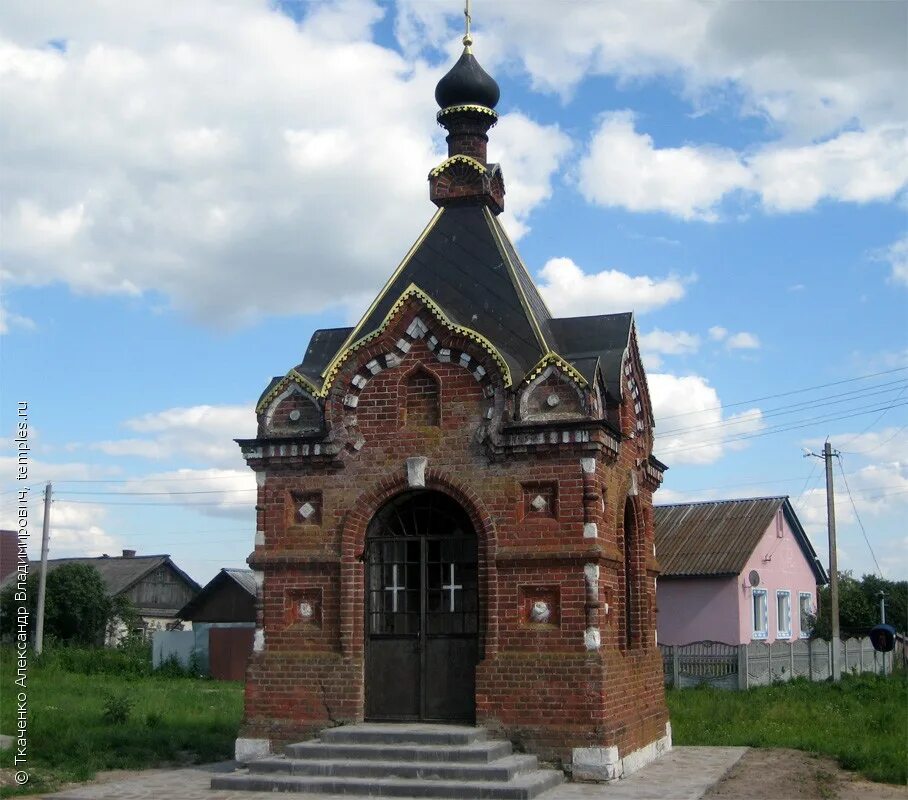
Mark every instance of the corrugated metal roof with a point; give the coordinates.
(713, 538)
(244, 577)
(718, 537)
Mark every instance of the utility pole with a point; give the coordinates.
(883, 621)
(827, 456)
(833, 563)
(42, 580)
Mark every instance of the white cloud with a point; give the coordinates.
(569, 291)
(657, 343)
(717, 333)
(201, 434)
(623, 168)
(691, 427)
(742, 341)
(754, 55)
(10, 320)
(855, 166)
(203, 153)
(213, 492)
(76, 529)
(531, 155)
(734, 341)
(896, 255)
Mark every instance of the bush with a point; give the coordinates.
(117, 708)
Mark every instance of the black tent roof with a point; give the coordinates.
(466, 263)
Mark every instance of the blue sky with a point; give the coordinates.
(186, 196)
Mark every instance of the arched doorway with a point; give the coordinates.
(422, 610)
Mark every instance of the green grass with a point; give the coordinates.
(76, 724)
(862, 722)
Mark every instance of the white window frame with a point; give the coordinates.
(783, 633)
(760, 633)
(804, 633)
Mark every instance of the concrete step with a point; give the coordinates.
(524, 786)
(481, 752)
(501, 770)
(397, 733)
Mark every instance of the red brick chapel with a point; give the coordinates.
(454, 514)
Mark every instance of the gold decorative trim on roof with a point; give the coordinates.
(390, 282)
(414, 291)
(552, 358)
(291, 377)
(467, 107)
(469, 160)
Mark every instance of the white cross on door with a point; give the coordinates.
(394, 588)
(451, 587)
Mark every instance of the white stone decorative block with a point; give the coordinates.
(417, 329)
(294, 415)
(259, 538)
(540, 612)
(316, 449)
(479, 372)
(590, 530)
(539, 502)
(306, 610)
(359, 381)
(259, 577)
(595, 764)
(258, 643)
(588, 465)
(307, 510)
(552, 400)
(359, 444)
(490, 412)
(246, 750)
(416, 471)
(403, 345)
(374, 367)
(565, 436)
(351, 401)
(632, 489)
(591, 639)
(260, 478)
(392, 359)
(444, 355)
(464, 360)
(431, 342)
(591, 573)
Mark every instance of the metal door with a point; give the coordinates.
(422, 611)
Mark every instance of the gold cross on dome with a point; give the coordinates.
(467, 39)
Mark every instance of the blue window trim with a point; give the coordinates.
(780, 632)
(803, 634)
(764, 632)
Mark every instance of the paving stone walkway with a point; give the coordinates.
(684, 773)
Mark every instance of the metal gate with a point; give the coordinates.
(422, 610)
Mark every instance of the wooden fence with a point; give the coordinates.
(729, 666)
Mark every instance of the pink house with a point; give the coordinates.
(734, 571)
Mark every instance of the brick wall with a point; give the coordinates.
(537, 683)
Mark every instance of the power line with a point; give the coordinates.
(875, 447)
(788, 394)
(858, 517)
(778, 429)
(790, 409)
(883, 414)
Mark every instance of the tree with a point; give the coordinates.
(77, 609)
(859, 606)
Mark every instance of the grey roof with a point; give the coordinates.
(244, 577)
(588, 342)
(718, 537)
(120, 573)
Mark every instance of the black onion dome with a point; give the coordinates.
(467, 84)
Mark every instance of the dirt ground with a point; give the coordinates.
(777, 774)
